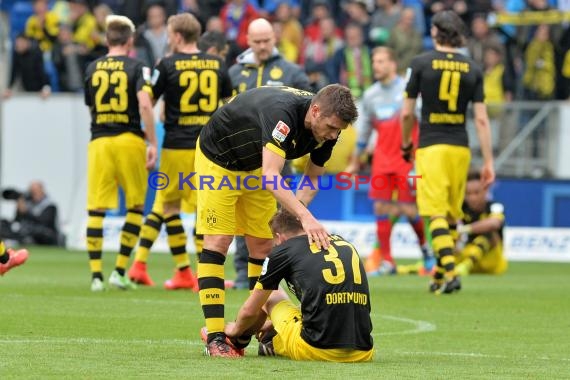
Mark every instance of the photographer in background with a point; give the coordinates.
(36, 217)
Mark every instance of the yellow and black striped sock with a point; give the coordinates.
(129, 237)
(212, 290)
(443, 245)
(149, 233)
(198, 243)
(254, 267)
(4, 257)
(439, 272)
(476, 249)
(95, 243)
(177, 241)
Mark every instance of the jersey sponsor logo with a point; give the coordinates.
(146, 74)
(265, 265)
(155, 76)
(280, 131)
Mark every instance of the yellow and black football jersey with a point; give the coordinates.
(193, 86)
(332, 287)
(492, 209)
(447, 83)
(272, 117)
(111, 87)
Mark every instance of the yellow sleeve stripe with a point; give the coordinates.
(497, 216)
(275, 149)
(258, 286)
(146, 88)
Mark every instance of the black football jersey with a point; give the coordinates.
(332, 287)
(447, 82)
(193, 86)
(111, 87)
(257, 118)
(494, 209)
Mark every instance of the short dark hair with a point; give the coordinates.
(473, 175)
(336, 99)
(285, 222)
(450, 29)
(187, 25)
(212, 39)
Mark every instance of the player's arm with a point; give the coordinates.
(250, 317)
(272, 165)
(493, 223)
(408, 119)
(306, 194)
(147, 116)
(483, 128)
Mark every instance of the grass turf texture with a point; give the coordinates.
(52, 326)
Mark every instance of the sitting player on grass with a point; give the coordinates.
(482, 232)
(333, 322)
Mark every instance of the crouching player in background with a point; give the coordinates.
(333, 322)
(482, 231)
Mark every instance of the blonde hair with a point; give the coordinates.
(119, 29)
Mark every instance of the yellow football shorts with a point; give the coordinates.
(441, 188)
(287, 321)
(112, 162)
(177, 164)
(491, 262)
(232, 211)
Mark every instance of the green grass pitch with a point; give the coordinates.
(52, 326)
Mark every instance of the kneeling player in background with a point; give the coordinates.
(482, 231)
(10, 258)
(333, 322)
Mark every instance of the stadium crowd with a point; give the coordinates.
(330, 39)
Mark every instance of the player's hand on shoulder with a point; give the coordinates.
(316, 232)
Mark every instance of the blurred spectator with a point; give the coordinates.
(358, 14)
(384, 19)
(271, 7)
(320, 10)
(351, 65)
(498, 86)
(43, 25)
(84, 26)
(435, 6)
(540, 72)
(215, 24)
(36, 217)
(262, 64)
(152, 37)
(28, 73)
(319, 51)
(236, 16)
(192, 7)
(405, 41)
(288, 50)
(292, 30)
(481, 37)
(68, 62)
(100, 12)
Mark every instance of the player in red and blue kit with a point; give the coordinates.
(394, 194)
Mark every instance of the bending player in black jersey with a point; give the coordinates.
(244, 148)
(333, 322)
(447, 81)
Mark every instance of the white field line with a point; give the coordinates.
(419, 326)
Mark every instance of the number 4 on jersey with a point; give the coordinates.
(449, 88)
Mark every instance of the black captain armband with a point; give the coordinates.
(241, 341)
